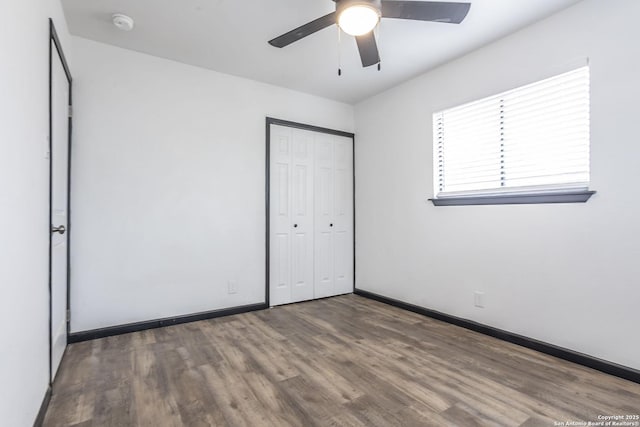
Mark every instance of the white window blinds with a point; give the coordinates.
(532, 139)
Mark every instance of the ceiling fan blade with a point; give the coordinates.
(304, 31)
(449, 12)
(368, 49)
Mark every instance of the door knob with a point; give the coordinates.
(330, 225)
(295, 225)
(59, 229)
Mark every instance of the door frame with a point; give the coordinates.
(279, 122)
(54, 42)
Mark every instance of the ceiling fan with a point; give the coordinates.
(359, 17)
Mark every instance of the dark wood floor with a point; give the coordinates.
(344, 361)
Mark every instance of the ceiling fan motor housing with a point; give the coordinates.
(342, 5)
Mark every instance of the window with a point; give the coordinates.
(527, 145)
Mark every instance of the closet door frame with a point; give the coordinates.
(273, 121)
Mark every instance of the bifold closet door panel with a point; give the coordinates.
(291, 215)
(280, 232)
(343, 215)
(324, 212)
(303, 221)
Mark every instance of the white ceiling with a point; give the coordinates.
(231, 36)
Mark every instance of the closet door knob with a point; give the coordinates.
(295, 225)
(330, 225)
(60, 229)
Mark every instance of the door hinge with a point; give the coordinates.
(68, 315)
(70, 111)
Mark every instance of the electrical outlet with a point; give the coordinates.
(232, 287)
(478, 299)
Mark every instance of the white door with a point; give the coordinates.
(311, 215)
(324, 206)
(291, 215)
(59, 197)
(334, 216)
(343, 215)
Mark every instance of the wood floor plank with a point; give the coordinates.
(342, 361)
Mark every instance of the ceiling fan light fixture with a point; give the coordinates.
(358, 19)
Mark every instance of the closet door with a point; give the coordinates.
(343, 215)
(311, 215)
(324, 214)
(302, 215)
(291, 215)
(333, 215)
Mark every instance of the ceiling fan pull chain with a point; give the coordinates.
(339, 52)
(378, 31)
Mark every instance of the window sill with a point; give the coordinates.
(515, 199)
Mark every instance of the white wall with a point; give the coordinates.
(168, 184)
(24, 205)
(565, 274)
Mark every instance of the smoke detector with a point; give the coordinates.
(122, 22)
